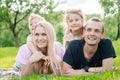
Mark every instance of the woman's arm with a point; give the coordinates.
(26, 69)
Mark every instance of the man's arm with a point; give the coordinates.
(67, 70)
(107, 65)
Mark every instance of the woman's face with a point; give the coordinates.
(40, 37)
(75, 22)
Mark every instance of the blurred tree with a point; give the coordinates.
(112, 8)
(12, 12)
(56, 20)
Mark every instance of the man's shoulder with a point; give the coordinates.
(105, 40)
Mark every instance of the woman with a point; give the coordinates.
(33, 19)
(44, 41)
(74, 20)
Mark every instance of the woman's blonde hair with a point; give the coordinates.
(54, 59)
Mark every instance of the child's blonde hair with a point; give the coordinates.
(32, 17)
(67, 14)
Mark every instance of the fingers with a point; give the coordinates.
(46, 58)
(47, 63)
(35, 57)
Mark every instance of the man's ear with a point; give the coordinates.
(103, 35)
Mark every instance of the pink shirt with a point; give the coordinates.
(24, 53)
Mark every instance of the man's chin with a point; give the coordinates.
(90, 44)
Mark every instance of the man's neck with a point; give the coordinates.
(89, 51)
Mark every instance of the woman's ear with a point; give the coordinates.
(103, 35)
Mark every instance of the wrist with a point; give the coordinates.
(86, 68)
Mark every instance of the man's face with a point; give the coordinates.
(93, 33)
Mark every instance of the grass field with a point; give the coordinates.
(7, 59)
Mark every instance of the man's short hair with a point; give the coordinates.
(96, 20)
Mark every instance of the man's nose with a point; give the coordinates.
(92, 32)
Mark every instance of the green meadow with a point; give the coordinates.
(7, 60)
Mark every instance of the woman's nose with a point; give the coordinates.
(40, 37)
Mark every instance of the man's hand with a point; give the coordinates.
(72, 72)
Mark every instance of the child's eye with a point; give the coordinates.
(76, 19)
(88, 29)
(44, 34)
(36, 34)
(70, 20)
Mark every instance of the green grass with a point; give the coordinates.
(7, 56)
(7, 59)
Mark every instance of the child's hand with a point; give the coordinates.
(36, 57)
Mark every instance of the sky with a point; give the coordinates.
(87, 6)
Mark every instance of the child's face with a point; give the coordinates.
(32, 23)
(75, 22)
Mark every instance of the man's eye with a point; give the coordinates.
(97, 30)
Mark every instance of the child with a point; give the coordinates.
(74, 20)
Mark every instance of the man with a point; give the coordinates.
(92, 54)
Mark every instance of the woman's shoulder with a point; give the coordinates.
(58, 43)
(59, 49)
(24, 47)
